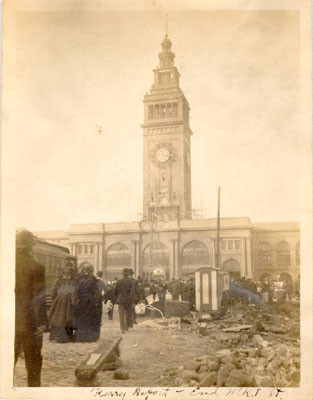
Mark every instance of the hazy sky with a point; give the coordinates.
(239, 72)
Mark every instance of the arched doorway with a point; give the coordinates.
(155, 262)
(117, 258)
(195, 254)
(232, 266)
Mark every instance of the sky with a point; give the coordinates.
(77, 71)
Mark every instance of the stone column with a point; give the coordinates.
(139, 259)
(293, 258)
(172, 260)
(249, 258)
(96, 251)
(72, 249)
(133, 257)
(243, 264)
(100, 257)
(177, 259)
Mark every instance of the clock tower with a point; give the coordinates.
(166, 136)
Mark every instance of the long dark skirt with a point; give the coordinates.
(88, 312)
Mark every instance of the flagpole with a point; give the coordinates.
(218, 229)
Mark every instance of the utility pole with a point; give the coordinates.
(218, 230)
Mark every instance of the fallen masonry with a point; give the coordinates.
(252, 353)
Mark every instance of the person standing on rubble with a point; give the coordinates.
(30, 311)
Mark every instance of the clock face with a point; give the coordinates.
(162, 155)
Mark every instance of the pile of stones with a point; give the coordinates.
(259, 363)
(249, 346)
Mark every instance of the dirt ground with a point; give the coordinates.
(145, 352)
(149, 351)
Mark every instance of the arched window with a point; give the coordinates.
(298, 253)
(155, 260)
(117, 258)
(264, 255)
(283, 254)
(232, 266)
(195, 255)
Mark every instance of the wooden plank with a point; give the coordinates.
(107, 352)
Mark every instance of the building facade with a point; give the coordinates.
(168, 242)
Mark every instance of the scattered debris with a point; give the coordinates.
(174, 323)
(237, 328)
(203, 329)
(121, 374)
(264, 350)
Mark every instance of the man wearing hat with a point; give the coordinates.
(30, 311)
(123, 297)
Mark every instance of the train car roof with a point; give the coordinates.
(65, 249)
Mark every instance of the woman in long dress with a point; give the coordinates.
(61, 315)
(88, 306)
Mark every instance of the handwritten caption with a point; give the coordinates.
(199, 393)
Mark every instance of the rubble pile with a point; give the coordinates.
(248, 347)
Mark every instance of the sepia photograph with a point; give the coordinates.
(156, 213)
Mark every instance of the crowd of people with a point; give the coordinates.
(262, 292)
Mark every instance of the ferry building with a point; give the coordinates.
(168, 242)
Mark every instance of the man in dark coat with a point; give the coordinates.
(123, 297)
(30, 310)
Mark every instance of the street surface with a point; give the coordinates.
(145, 353)
(245, 347)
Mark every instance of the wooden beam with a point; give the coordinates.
(107, 352)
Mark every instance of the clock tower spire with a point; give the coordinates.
(166, 136)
